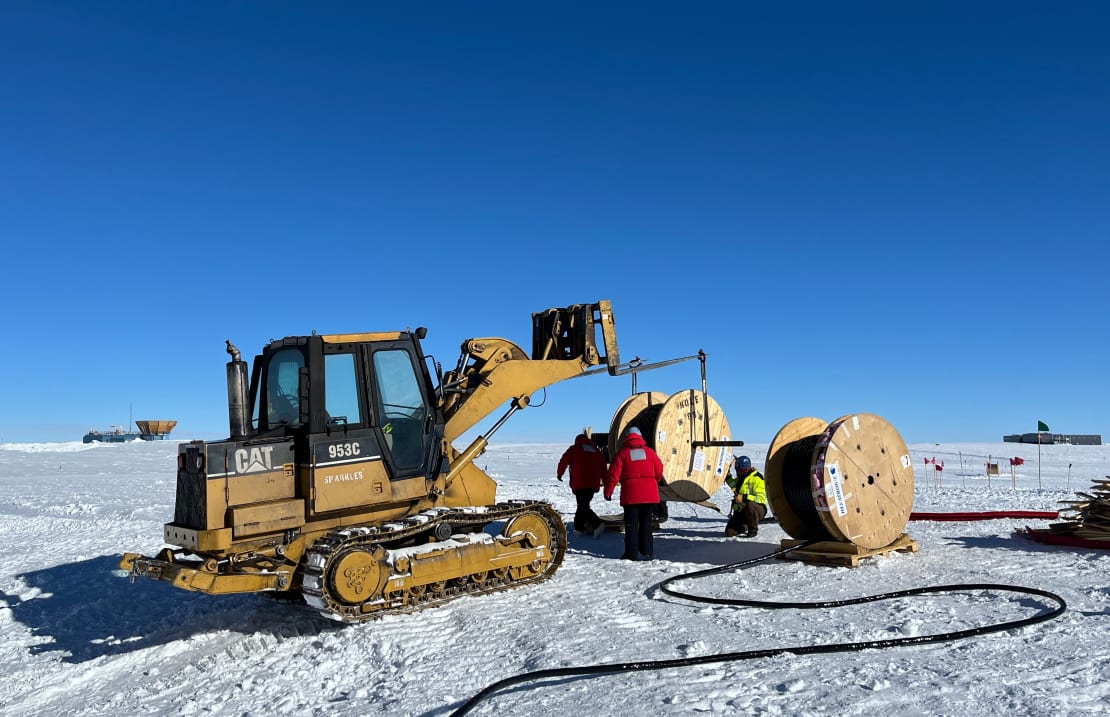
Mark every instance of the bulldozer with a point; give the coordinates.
(340, 484)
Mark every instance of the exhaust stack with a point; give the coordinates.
(237, 386)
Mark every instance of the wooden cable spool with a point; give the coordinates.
(671, 425)
(850, 480)
(626, 413)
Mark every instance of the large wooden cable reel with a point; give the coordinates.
(850, 480)
(671, 425)
(627, 412)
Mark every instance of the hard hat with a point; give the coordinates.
(635, 430)
(743, 462)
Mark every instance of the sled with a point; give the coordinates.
(1047, 537)
(615, 523)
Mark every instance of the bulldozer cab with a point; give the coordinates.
(354, 405)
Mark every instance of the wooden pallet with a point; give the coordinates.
(834, 552)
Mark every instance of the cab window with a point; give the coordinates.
(341, 389)
(400, 406)
(282, 392)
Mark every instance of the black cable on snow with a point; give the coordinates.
(590, 670)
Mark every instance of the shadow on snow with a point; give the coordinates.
(87, 611)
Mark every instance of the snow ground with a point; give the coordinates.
(77, 639)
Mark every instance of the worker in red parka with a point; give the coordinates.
(587, 469)
(639, 471)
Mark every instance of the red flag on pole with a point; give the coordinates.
(941, 466)
(1015, 461)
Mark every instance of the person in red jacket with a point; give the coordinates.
(639, 471)
(587, 469)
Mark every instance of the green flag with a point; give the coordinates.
(1041, 427)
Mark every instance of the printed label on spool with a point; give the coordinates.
(837, 492)
(720, 469)
(855, 423)
(660, 437)
(906, 461)
(699, 460)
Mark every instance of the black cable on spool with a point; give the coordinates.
(646, 421)
(796, 467)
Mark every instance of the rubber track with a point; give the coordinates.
(414, 527)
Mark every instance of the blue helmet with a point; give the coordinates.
(743, 462)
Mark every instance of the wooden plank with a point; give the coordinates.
(1087, 519)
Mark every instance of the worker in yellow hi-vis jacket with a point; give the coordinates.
(749, 500)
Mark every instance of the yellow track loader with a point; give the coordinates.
(339, 480)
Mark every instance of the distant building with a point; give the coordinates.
(1046, 439)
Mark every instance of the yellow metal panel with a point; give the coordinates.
(200, 540)
(350, 485)
(200, 581)
(450, 563)
(472, 487)
(268, 517)
(215, 502)
(609, 333)
(508, 380)
(410, 488)
(257, 487)
(356, 338)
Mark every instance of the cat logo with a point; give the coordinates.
(253, 460)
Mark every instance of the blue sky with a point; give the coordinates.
(888, 208)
